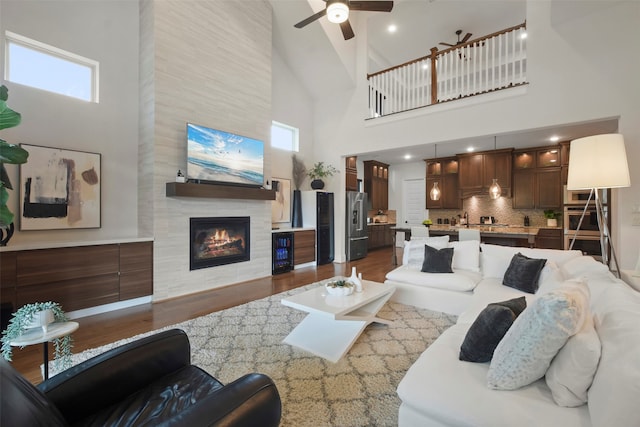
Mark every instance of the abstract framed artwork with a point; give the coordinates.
(59, 189)
(281, 206)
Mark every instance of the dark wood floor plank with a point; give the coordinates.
(105, 328)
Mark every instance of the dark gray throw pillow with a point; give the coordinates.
(523, 273)
(437, 260)
(489, 328)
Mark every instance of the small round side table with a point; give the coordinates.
(37, 336)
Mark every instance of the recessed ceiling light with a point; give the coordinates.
(554, 138)
(425, 66)
(407, 156)
(470, 149)
(392, 28)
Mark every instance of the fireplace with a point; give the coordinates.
(218, 241)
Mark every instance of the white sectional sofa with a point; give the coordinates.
(441, 390)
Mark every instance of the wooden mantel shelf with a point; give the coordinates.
(218, 191)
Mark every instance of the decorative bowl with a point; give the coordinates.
(339, 287)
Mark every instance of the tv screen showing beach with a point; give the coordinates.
(223, 157)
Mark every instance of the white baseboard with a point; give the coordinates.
(108, 307)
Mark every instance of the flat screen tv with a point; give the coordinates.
(215, 156)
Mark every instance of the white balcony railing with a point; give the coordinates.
(486, 64)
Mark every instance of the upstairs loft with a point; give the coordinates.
(486, 64)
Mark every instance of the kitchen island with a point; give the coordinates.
(504, 235)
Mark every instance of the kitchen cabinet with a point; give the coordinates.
(444, 172)
(537, 178)
(477, 171)
(351, 173)
(379, 235)
(550, 238)
(376, 184)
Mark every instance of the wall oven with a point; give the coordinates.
(588, 245)
(589, 226)
(580, 197)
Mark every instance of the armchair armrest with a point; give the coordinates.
(250, 401)
(109, 377)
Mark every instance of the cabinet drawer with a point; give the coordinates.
(46, 266)
(135, 284)
(136, 256)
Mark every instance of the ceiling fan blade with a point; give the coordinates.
(347, 31)
(447, 44)
(310, 19)
(466, 37)
(372, 6)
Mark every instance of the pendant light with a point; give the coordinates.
(434, 194)
(494, 189)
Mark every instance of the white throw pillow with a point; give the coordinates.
(584, 266)
(466, 255)
(536, 336)
(413, 254)
(496, 259)
(571, 372)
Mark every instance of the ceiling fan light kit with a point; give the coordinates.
(337, 11)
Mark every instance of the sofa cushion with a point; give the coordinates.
(437, 260)
(488, 329)
(523, 273)
(536, 336)
(466, 255)
(495, 259)
(613, 396)
(440, 390)
(584, 266)
(571, 372)
(413, 253)
(460, 280)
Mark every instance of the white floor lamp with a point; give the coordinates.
(599, 162)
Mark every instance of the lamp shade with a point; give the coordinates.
(598, 161)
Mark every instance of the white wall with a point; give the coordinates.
(571, 80)
(106, 31)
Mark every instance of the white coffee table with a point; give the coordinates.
(335, 322)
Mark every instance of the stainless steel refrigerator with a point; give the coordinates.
(356, 227)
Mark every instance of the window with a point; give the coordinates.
(284, 137)
(32, 63)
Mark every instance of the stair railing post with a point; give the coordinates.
(434, 76)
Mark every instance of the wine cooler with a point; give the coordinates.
(282, 255)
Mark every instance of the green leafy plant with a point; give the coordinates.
(21, 321)
(340, 284)
(10, 154)
(551, 214)
(427, 222)
(320, 170)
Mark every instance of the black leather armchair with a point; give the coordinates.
(150, 381)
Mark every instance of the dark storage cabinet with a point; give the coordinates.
(282, 254)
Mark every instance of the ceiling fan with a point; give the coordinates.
(464, 39)
(337, 11)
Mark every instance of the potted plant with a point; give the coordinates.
(38, 315)
(318, 172)
(552, 217)
(9, 154)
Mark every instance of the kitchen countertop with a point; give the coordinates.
(381, 223)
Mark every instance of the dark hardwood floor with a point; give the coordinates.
(104, 328)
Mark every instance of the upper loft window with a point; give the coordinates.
(284, 137)
(32, 63)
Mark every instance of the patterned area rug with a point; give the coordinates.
(359, 390)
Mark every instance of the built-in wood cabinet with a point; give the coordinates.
(77, 277)
(304, 246)
(537, 178)
(478, 170)
(380, 236)
(550, 238)
(351, 173)
(444, 173)
(376, 184)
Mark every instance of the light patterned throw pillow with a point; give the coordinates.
(525, 353)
